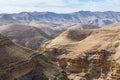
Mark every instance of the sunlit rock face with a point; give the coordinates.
(94, 65)
(92, 57)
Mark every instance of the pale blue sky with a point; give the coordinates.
(59, 6)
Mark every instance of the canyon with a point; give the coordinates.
(82, 45)
(18, 63)
(87, 54)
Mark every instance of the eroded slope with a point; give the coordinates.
(87, 54)
(18, 63)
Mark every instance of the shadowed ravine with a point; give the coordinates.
(18, 63)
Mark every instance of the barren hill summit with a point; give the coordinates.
(25, 35)
(87, 54)
(35, 34)
(93, 39)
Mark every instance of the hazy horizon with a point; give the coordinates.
(55, 12)
(58, 6)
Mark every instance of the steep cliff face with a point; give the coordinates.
(18, 63)
(87, 54)
(93, 65)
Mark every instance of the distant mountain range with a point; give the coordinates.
(83, 17)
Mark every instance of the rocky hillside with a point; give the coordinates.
(18, 63)
(83, 17)
(33, 35)
(87, 54)
(25, 35)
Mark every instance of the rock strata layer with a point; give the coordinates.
(18, 63)
(96, 56)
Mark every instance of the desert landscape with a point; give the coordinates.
(60, 40)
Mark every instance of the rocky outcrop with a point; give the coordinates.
(94, 65)
(18, 63)
(92, 57)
